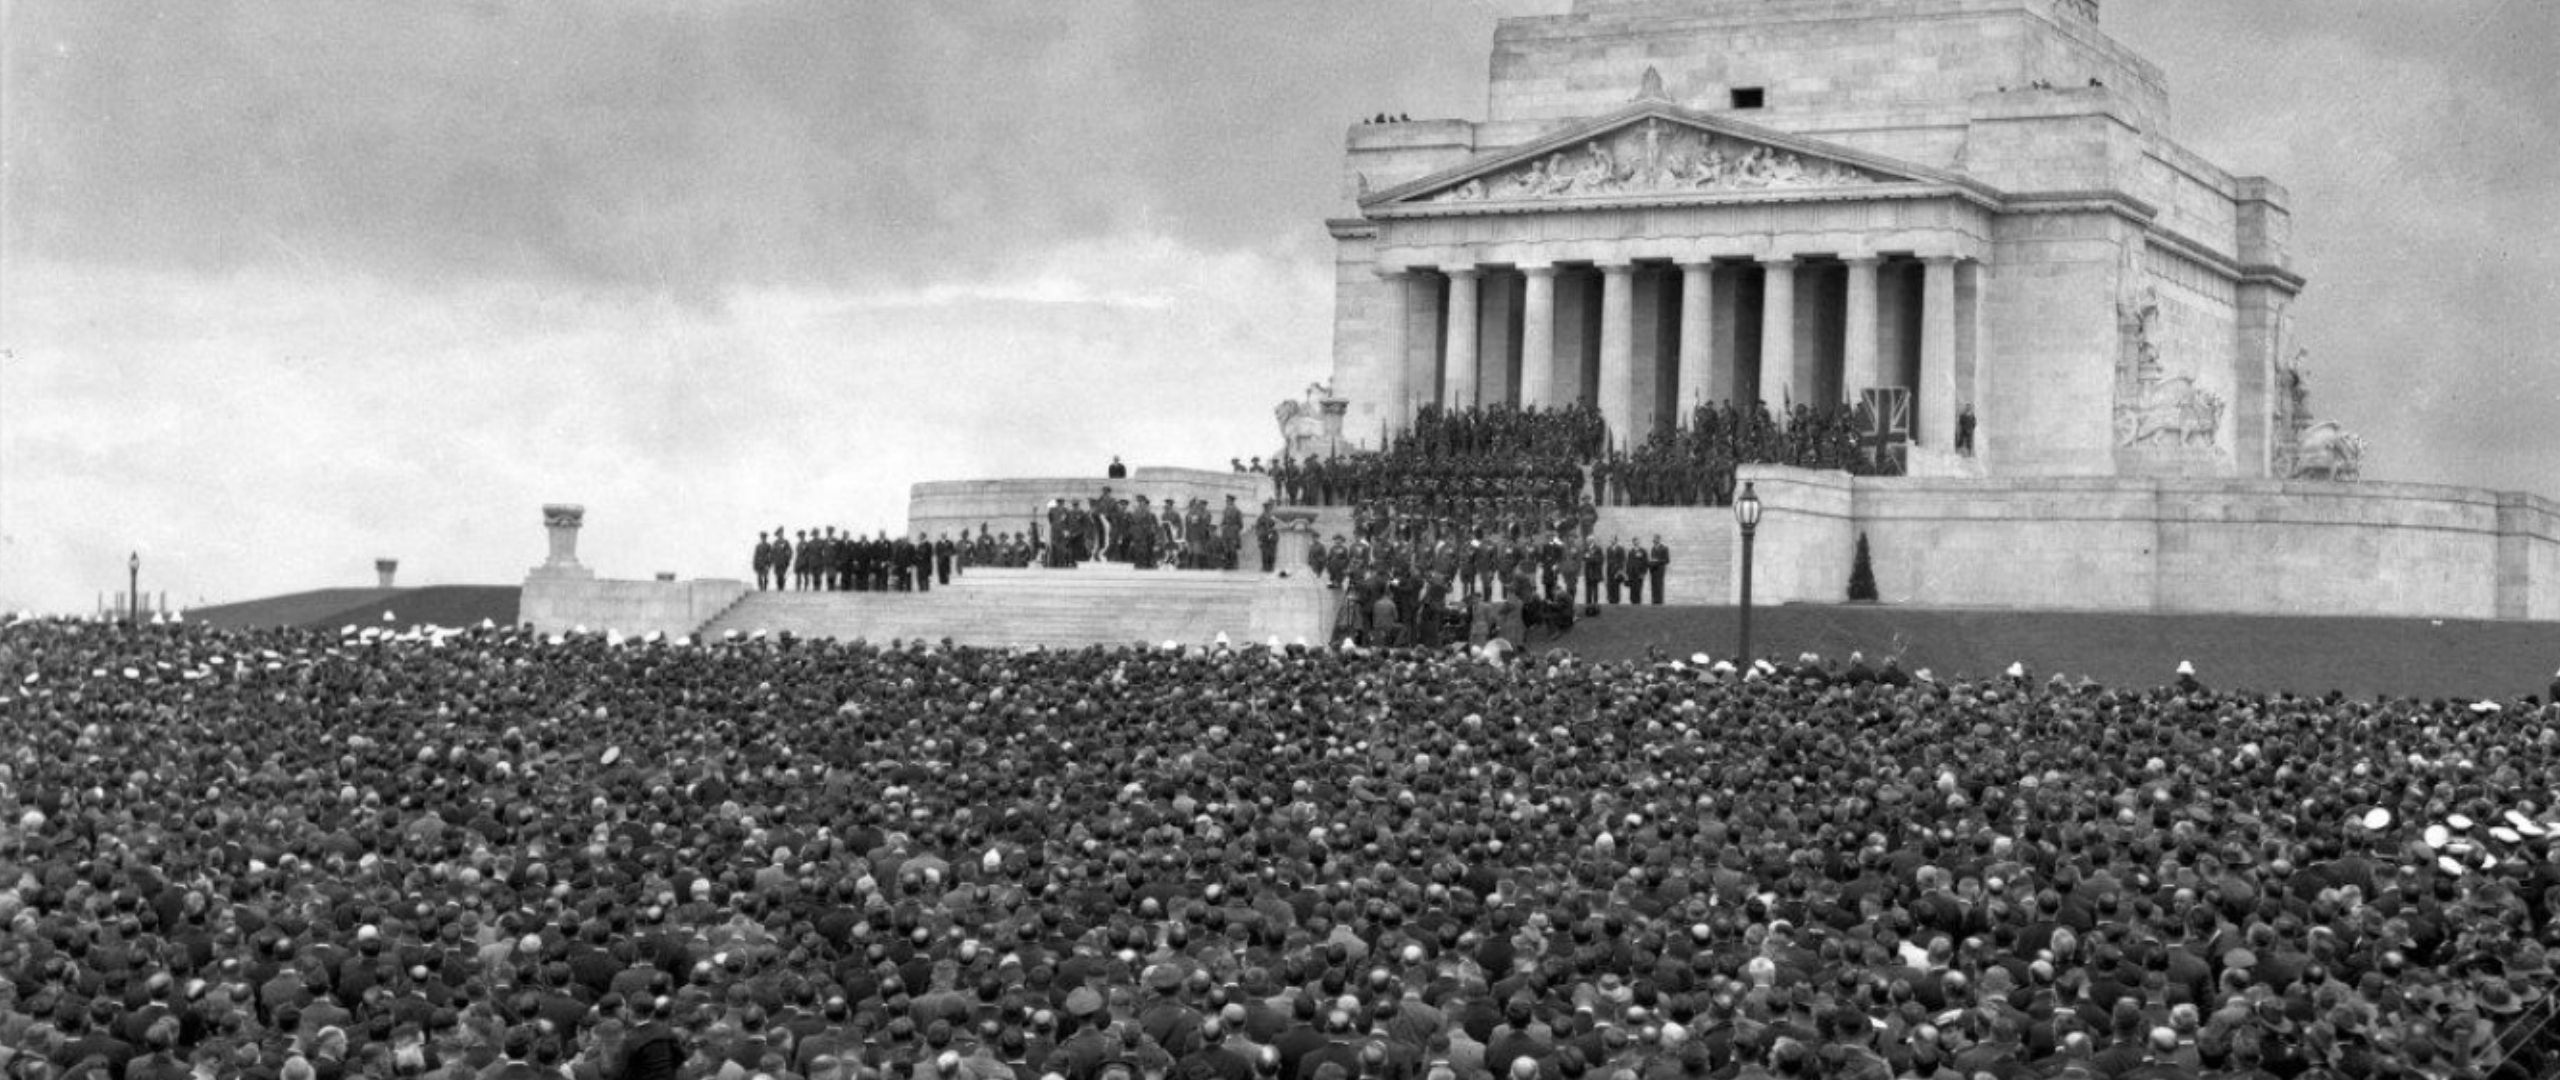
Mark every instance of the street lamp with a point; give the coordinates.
(133, 590)
(1746, 510)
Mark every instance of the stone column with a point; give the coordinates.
(1778, 334)
(1858, 370)
(1395, 397)
(1697, 346)
(386, 569)
(1618, 350)
(1937, 391)
(1458, 371)
(1538, 336)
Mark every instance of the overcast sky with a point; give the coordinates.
(292, 284)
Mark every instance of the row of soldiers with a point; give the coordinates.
(1343, 480)
(1555, 568)
(1428, 519)
(822, 561)
(1181, 536)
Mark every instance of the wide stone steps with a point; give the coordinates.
(1092, 605)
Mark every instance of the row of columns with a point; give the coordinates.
(1776, 364)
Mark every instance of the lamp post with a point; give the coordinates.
(1746, 510)
(133, 590)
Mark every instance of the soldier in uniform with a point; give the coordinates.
(1593, 564)
(806, 567)
(1658, 562)
(1337, 562)
(1637, 557)
(1614, 566)
(1550, 562)
(1230, 534)
(780, 559)
(1057, 533)
(764, 560)
(843, 563)
(1169, 535)
(1266, 535)
(1197, 539)
(901, 553)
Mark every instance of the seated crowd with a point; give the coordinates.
(491, 855)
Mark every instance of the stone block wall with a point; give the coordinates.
(1809, 55)
(2174, 545)
(558, 603)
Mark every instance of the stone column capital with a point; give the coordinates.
(1467, 271)
(1538, 269)
(1863, 262)
(1778, 262)
(1619, 268)
(1941, 259)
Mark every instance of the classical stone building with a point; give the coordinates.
(1977, 201)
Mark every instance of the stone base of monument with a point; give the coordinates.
(1094, 604)
(1928, 461)
(2162, 544)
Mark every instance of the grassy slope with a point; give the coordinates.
(2361, 657)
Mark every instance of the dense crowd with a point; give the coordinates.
(1468, 465)
(1171, 534)
(491, 855)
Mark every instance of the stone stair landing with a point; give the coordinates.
(1095, 604)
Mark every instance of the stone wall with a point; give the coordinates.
(1824, 56)
(2171, 545)
(555, 603)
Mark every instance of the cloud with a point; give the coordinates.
(311, 431)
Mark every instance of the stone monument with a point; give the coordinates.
(1680, 201)
(562, 521)
(1311, 424)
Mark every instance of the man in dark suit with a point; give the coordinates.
(1230, 534)
(1613, 564)
(1592, 567)
(943, 554)
(1057, 533)
(1638, 560)
(1117, 471)
(1266, 535)
(1657, 564)
(764, 561)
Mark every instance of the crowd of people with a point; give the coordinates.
(496, 855)
(821, 561)
(1399, 591)
(1174, 534)
(1469, 464)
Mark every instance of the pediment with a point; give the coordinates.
(1653, 152)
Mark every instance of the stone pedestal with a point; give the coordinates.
(385, 570)
(1293, 603)
(1333, 411)
(562, 521)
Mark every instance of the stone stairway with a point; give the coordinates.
(1705, 544)
(1095, 604)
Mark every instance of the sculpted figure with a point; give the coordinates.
(1599, 170)
(1529, 183)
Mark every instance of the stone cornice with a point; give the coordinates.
(1863, 193)
(1351, 228)
(1392, 201)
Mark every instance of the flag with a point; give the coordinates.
(1886, 442)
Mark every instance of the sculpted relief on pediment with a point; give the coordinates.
(1656, 158)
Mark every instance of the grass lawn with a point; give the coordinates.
(2359, 656)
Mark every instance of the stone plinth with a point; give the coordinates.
(1293, 604)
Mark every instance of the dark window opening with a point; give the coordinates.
(1750, 97)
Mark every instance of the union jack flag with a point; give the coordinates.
(1886, 443)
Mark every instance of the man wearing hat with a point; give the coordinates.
(764, 562)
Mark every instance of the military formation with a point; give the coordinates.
(1437, 588)
(1486, 461)
(820, 561)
